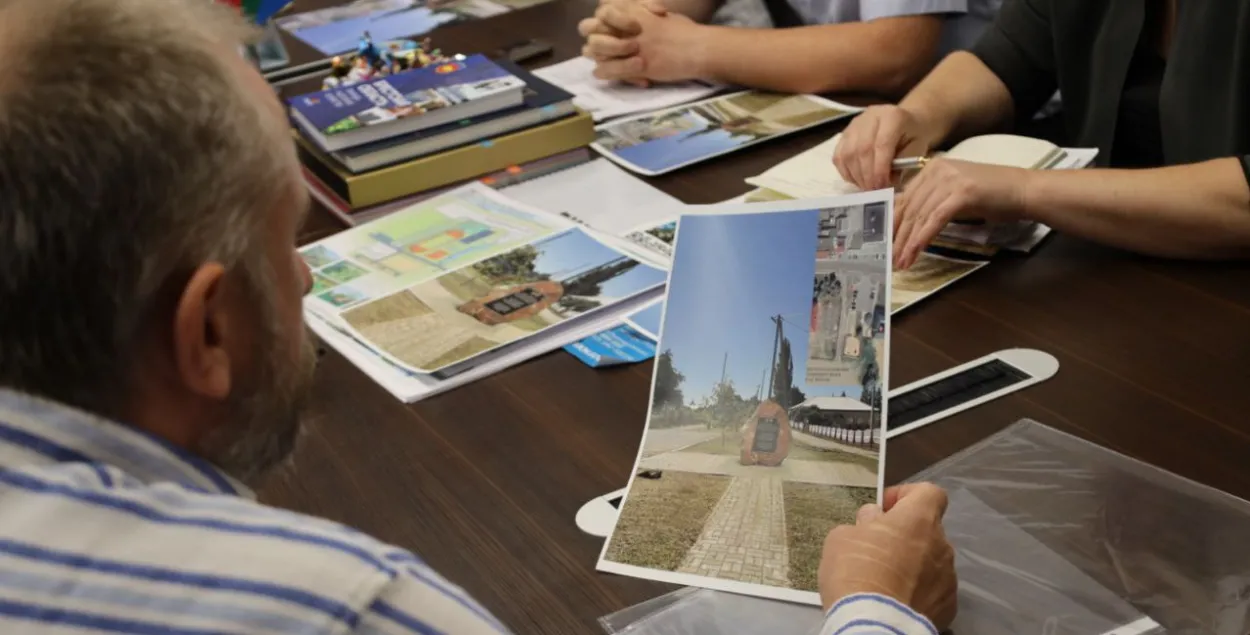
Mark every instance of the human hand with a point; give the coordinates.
(900, 552)
(872, 141)
(634, 40)
(946, 190)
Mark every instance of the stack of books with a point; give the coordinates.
(369, 145)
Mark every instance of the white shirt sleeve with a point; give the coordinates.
(871, 614)
(873, 9)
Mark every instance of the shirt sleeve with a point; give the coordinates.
(1018, 47)
(871, 614)
(417, 601)
(873, 9)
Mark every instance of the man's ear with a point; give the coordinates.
(202, 329)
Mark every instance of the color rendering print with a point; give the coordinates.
(475, 309)
(338, 29)
(658, 238)
(663, 141)
(848, 303)
(745, 466)
(415, 245)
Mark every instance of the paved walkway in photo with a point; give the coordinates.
(793, 470)
(744, 539)
(830, 444)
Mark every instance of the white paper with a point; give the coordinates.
(741, 290)
(411, 387)
(605, 99)
(812, 174)
(598, 194)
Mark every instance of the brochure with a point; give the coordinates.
(465, 278)
(775, 328)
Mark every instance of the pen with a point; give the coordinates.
(909, 163)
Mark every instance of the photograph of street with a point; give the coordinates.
(466, 312)
(848, 302)
(669, 139)
(745, 466)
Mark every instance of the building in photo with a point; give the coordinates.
(837, 418)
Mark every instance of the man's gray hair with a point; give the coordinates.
(130, 154)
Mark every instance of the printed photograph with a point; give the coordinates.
(319, 256)
(929, 273)
(499, 300)
(432, 237)
(848, 295)
(342, 296)
(670, 139)
(338, 29)
(321, 283)
(658, 239)
(647, 320)
(745, 466)
(343, 271)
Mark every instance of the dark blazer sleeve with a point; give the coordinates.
(1245, 166)
(1019, 48)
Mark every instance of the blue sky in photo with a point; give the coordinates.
(732, 273)
(565, 255)
(669, 152)
(344, 35)
(648, 319)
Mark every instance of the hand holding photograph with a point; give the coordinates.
(746, 463)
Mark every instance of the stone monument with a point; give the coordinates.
(766, 437)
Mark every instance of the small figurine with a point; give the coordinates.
(372, 61)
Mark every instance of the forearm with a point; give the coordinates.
(961, 98)
(824, 58)
(697, 10)
(1200, 210)
(870, 614)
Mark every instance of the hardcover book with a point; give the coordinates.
(541, 102)
(348, 116)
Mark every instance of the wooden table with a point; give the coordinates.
(484, 482)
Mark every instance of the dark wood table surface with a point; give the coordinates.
(484, 482)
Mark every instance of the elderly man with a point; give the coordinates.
(153, 359)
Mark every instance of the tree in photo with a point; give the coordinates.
(783, 375)
(668, 381)
(870, 382)
(513, 267)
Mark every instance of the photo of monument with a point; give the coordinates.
(745, 465)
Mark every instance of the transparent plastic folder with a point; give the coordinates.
(1053, 535)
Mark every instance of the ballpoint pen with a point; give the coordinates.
(908, 163)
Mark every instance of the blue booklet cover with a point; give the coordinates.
(407, 94)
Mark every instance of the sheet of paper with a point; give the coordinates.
(604, 99)
(930, 274)
(599, 194)
(411, 387)
(663, 141)
(418, 244)
(442, 323)
(808, 174)
(775, 326)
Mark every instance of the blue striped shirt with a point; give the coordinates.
(106, 529)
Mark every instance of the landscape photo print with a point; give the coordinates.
(745, 465)
(663, 141)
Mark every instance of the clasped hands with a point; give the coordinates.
(943, 191)
(640, 41)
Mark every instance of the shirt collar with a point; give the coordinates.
(48, 432)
